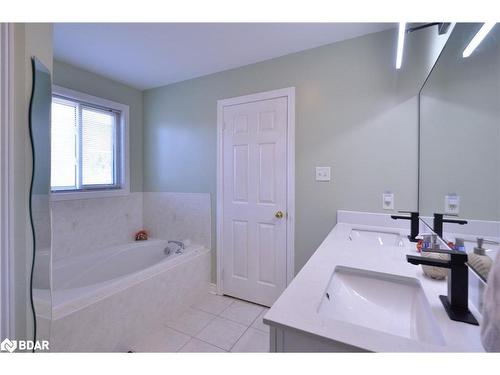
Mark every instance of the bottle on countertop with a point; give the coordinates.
(427, 242)
(459, 244)
(423, 242)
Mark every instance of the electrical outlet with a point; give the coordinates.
(323, 174)
(452, 204)
(388, 200)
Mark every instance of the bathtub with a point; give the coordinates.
(108, 299)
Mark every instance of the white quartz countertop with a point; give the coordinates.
(297, 307)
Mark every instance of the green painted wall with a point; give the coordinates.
(354, 112)
(74, 78)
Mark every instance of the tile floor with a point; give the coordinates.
(215, 324)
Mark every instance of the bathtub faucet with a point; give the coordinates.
(180, 244)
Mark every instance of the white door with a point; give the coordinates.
(254, 228)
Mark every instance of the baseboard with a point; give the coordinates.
(212, 288)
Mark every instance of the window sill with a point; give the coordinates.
(73, 195)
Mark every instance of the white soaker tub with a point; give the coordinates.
(109, 299)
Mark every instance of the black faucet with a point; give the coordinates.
(439, 220)
(414, 223)
(456, 302)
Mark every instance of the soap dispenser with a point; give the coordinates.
(479, 261)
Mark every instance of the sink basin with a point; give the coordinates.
(376, 238)
(388, 303)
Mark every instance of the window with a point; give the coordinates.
(88, 146)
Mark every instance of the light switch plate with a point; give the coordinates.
(323, 174)
(452, 204)
(388, 200)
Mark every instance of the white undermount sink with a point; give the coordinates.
(388, 303)
(376, 238)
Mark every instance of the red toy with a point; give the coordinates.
(142, 235)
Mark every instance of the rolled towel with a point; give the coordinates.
(437, 273)
(490, 328)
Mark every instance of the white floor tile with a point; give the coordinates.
(253, 341)
(213, 303)
(191, 321)
(258, 324)
(162, 340)
(198, 346)
(242, 312)
(222, 333)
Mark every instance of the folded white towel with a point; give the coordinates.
(490, 328)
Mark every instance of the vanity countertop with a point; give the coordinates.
(298, 305)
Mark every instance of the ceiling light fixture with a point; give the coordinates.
(478, 38)
(401, 44)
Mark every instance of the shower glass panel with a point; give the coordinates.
(39, 204)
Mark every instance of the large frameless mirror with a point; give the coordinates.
(39, 125)
(460, 145)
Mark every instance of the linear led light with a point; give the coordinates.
(401, 44)
(478, 38)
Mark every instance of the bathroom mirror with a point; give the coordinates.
(459, 170)
(39, 205)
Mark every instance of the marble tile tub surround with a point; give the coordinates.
(178, 216)
(134, 316)
(84, 225)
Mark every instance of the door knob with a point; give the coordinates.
(279, 214)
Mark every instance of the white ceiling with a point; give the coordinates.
(155, 54)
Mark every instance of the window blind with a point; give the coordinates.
(64, 144)
(98, 146)
(85, 146)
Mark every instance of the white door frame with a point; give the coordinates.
(6, 179)
(289, 93)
